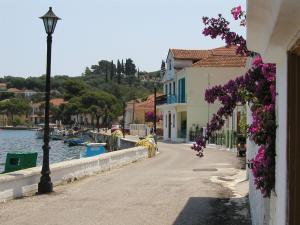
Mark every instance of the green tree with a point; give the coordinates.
(96, 102)
(130, 68)
(87, 71)
(14, 106)
(112, 70)
(100, 68)
(162, 68)
(74, 88)
(119, 71)
(123, 67)
(15, 82)
(106, 73)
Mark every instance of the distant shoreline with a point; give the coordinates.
(17, 128)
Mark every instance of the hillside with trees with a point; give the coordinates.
(100, 90)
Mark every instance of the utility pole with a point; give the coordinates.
(154, 117)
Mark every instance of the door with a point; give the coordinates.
(293, 142)
(169, 125)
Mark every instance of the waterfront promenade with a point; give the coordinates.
(175, 187)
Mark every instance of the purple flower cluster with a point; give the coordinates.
(199, 146)
(257, 88)
(219, 27)
(261, 171)
(149, 116)
(237, 13)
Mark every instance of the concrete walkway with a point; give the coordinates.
(175, 187)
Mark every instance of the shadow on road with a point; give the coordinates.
(214, 211)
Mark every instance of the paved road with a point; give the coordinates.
(173, 188)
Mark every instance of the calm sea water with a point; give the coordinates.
(25, 141)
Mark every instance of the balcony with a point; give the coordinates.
(170, 99)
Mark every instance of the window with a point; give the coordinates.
(166, 89)
(170, 64)
(181, 90)
(170, 88)
(173, 88)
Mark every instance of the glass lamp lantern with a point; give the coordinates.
(50, 20)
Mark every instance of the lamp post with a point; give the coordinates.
(45, 184)
(154, 117)
(124, 112)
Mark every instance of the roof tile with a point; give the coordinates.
(217, 57)
(190, 54)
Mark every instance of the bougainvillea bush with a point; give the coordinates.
(149, 117)
(257, 89)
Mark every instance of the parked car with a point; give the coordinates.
(241, 145)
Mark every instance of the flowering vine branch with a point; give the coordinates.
(257, 88)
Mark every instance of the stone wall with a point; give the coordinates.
(17, 184)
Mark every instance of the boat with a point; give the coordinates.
(93, 149)
(75, 142)
(54, 133)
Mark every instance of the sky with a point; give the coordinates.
(92, 30)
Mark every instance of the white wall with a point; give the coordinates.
(278, 215)
(180, 63)
(170, 72)
(272, 29)
(273, 211)
(18, 183)
(259, 206)
(198, 79)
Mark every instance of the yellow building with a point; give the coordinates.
(189, 73)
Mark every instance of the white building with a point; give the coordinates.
(189, 73)
(273, 30)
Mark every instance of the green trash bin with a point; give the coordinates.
(19, 161)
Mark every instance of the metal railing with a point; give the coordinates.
(225, 138)
(170, 99)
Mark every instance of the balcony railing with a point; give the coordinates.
(160, 100)
(170, 99)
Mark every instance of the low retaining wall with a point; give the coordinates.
(17, 184)
(120, 143)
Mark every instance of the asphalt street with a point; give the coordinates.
(174, 188)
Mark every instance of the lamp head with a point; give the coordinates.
(50, 20)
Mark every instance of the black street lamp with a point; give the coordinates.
(45, 184)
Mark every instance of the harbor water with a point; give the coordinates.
(26, 141)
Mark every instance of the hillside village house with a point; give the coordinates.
(29, 93)
(3, 87)
(135, 113)
(14, 90)
(86, 119)
(37, 110)
(188, 74)
(273, 30)
(136, 109)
